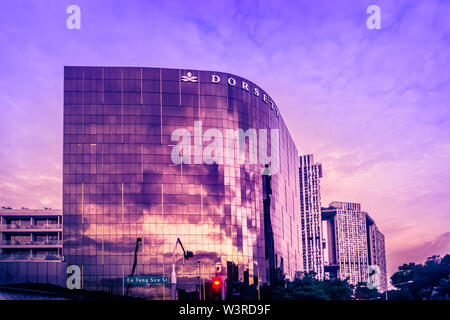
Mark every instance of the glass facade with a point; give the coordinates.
(120, 182)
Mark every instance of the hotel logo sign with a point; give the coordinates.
(189, 77)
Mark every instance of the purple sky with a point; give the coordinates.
(372, 105)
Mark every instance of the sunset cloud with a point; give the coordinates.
(371, 105)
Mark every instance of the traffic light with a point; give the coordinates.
(188, 255)
(217, 283)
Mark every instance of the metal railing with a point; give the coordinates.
(30, 242)
(14, 257)
(29, 226)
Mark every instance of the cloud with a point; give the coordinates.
(419, 254)
(372, 105)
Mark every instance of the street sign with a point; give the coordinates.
(146, 280)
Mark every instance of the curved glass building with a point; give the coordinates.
(149, 153)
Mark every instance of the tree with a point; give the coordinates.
(310, 288)
(443, 290)
(427, 281)
(338, 289)
(362, 292)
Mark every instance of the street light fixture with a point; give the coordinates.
(399, 284)
(187, 255)
(138, 240)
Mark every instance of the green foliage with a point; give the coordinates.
(362, 292)
(413, 281)
(443, 289)
(310, 288)
(428, 281)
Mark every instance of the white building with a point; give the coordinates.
(31, 246)
(310, 211)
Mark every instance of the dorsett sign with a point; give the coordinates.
(232, 82)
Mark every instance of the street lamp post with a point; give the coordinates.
(398, 284)
(138, 240)
(401, 284)
(387, 286)
(187, 255)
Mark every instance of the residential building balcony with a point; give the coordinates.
(17, 227)
(25, 243)
(18, 257)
